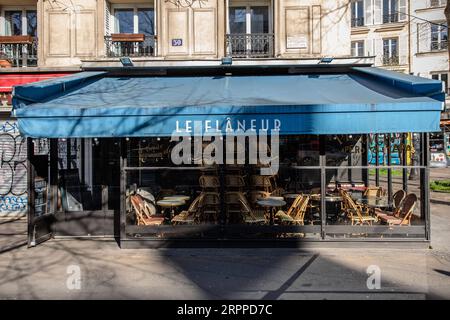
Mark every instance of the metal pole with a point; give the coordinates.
(53, 175)
(365, 155)
(30, 190)
(404, 162)
(389, 173)
(377, 161)
(426, 184)
(123, 189)
(323, 190)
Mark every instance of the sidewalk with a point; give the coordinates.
(108, 272)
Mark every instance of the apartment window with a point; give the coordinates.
(437, 3)
(442, 77)
(134, 20)
(390, 51)
(249, 19)
(390, 11)
(20, 22)
(358, 13)
(439, 37)
(357, 48)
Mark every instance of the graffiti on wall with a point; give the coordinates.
(13, 169)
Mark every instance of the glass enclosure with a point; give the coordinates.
(324, 187)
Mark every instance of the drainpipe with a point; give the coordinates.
(227, 25)
(409, 38)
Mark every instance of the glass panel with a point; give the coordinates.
(88, 168)
(124, 20)
(13, 23)
(238, 16)
(32, 23)
(259, 20)
(146, 21)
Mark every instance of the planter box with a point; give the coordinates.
(127, 37)
(16, 39)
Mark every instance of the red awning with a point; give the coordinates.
(8, 80)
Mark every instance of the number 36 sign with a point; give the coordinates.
(177, 42)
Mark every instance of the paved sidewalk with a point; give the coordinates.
(108, 272)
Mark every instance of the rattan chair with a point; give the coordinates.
(189, 216)
(143, 212)
(358, 214)
(209, 207)
(398, 198)
(208, 182)
(287, 216)
(405, 214)
(374, 192)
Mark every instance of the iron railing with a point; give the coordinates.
(131, 47)
(255, 45)
(392, 60)
(390, 18)
(358, 22)
(19, 52)
(439, 45)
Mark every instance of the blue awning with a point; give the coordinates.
(363, 100)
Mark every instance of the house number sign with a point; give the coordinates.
(177, 42)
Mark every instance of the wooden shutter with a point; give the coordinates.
(368, 16)
(423, 37)
(403, 10)
(377, 11)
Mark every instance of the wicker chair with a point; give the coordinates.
(398, 198)
(262, 183)
(189, 216)
(288, 215)
(208, 182)
(234, 181)
(404, 215)
(144, 211)
(374, 192)
(209, 207)
(357, 214)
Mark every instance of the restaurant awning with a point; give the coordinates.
(8, 80)
(362, 100)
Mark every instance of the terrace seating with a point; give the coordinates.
(145, 212)
(398, 198)
(190, 215)
(358, 214)
(374, 192)
(296, 213)
(404, 215)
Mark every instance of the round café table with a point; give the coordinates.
(272, 204)
(291, 195)
(170, 204)
(177, 197)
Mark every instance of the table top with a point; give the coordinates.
(273, 198)
(328, 198)
(291, 195)
(177, 197)
(267, 202)
(170, 202)
(374, 202)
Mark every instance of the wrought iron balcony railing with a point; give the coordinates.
(390, 18)
(254, 45)
(392, 60)
(358, 22)
(19, 51)
(130, 45)
(439, 45)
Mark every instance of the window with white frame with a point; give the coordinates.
(443, 76)
(439, 36)
(133, 19)
(18, 21)
(390, 51)
(249, 19)
(358, 48)
(357, 13)
(437, 3)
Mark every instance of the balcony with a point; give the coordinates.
(357, 22)
(18, 51)
(391, 60)
(255, 45)
(130, 45)
(390, 18)
(439, 45)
